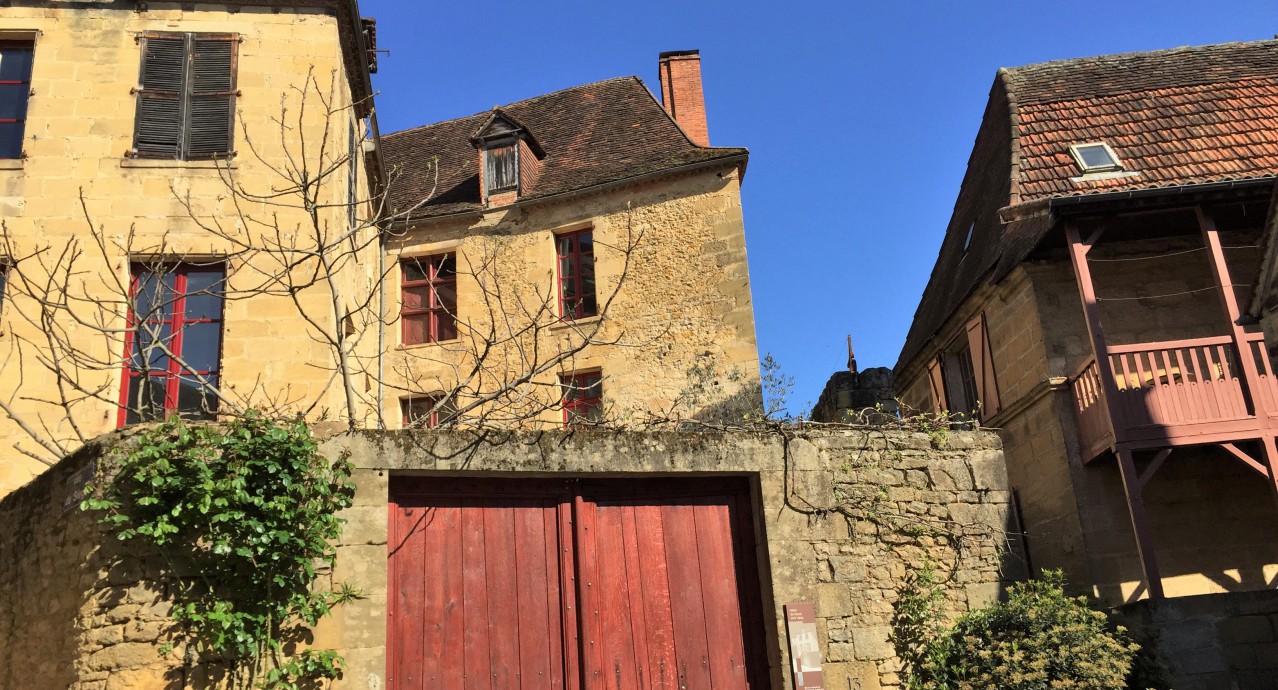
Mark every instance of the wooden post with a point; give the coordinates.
(1140, 524)
(1078, 250)
(1211, 237)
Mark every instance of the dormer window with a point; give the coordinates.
(501, 168)
(509, 159)
(1095, 157)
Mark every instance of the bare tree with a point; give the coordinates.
(95, 334)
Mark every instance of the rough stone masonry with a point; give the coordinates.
(841, 517)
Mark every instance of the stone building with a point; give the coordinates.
(589, 237)
(1086, 303)
(574, 558)
(144, 156)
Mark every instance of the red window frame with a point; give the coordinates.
(582, 400)
(425, 405)
(440, 313)
(576, 261)
(172, 313)
(25, 45)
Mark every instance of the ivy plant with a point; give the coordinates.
(244, 514)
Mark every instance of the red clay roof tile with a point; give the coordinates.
(592, 134)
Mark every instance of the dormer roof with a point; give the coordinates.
(501, 125)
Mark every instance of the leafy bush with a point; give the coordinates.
(243, 513)
(1039, 639)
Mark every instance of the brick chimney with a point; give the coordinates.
(682, 95)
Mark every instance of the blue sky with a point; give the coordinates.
(859, 118)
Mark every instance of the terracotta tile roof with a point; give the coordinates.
(592, 134)
(1181, 116)
(1174, 117)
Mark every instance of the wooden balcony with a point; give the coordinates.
(1158, 396)
(1173, 393)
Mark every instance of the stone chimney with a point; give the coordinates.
(681, 93)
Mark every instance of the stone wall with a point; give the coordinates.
(79, 130)
(75, 609)
(680, 322)
(1213, 641)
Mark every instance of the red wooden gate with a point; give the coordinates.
(638, 585)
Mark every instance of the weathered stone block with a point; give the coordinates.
(873, 643)
(1245, 629)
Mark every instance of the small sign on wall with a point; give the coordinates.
(805, 652)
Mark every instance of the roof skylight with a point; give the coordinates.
(1094, 157)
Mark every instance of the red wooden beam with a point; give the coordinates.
(1246, 458)
(1148, 474)
(1140, 524)
(1211, 236)
(1091, 311)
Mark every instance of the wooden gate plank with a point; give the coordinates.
(571, 606)
(476, 656)
(587, 575)
(410, 598)
(650, 550)
(719, 590)
(553, 644)
(613, 591)
(531, 583)
(503, 594)
(451, 608)
(691, 644)
(634, 588)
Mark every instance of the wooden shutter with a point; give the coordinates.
(158, 122)
(211, 110)
(186, 103)
(936, 380)
(983, 366)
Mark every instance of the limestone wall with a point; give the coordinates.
(681, 324)
(79, 130)
(73, 608)
(1213, 641)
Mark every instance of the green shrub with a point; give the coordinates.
(1039, 639)
(244, 515)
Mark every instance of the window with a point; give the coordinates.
(962, 378)
(4, 282)
(15, 89)
(186, 101)
(582, 398)
(576, 275)
(175, 309)
(1095, 157)
(960, 381)
(429, 311)
(421, 412)
(501, 168)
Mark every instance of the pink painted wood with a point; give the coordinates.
(1172, 393)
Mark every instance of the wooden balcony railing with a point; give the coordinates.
(1172, 391)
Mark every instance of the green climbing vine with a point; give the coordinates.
(244, 514)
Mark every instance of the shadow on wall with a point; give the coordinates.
(48, 562)
(1211, 518)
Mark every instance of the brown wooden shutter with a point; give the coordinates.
(936, 379)
(158, 122)
(211, 110)
(983, 366)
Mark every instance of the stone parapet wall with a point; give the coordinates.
(841, 518)
(1212, 641)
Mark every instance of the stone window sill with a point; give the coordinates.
(12, 163)
(168, 164)
(573, 324)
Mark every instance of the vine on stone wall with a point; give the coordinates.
(244, 515)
